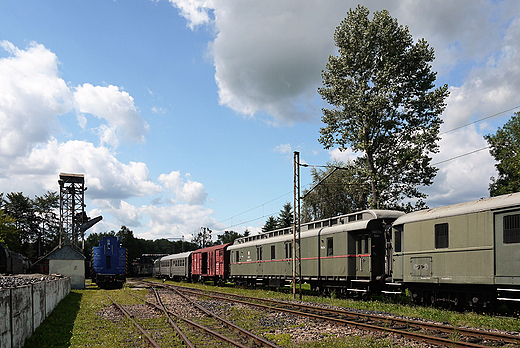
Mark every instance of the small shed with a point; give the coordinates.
(68, 261)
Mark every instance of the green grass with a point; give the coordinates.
(353, 342)
(458, 319)
(75, 321)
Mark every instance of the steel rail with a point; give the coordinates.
(195, 325)
(500, 337)
(125, 312)
(357, 324)
(257, 339)
(181, 334)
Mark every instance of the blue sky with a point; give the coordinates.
(184, 114)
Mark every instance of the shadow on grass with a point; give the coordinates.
(56, 330)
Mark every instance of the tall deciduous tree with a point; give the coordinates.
(8, 232)
(46, 210)
(385, 106)
(21, 209)
(228, 237)
(505, 148)
(344, 191)
(203, 238)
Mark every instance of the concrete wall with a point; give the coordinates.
(24, 308)
(75, 269)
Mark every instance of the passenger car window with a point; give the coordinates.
(398, 246)
(288, 250)
(330, 247)
(441, 236)
(511, 229)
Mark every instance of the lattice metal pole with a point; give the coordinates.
(72, 207)
(297, 265)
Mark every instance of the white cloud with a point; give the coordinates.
(489, 88)
(116, 107)
(283, 148)
(175, 221)
(106, 177)
(125, 213)
(191, 192)
(343, 156)
(195, 11)
(32, 95)
(159, 110)
(268, 56)
(465, 178)
(110, 184)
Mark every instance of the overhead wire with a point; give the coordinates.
(459, 156)
(325, 166)
(479, 120)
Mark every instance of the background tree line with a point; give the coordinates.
(204, 238)
(29, 226)
(135, 247)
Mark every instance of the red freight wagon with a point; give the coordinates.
(210, 263)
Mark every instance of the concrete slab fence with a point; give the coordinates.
(24, 308)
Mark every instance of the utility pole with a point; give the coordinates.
(297, 253)
(178, 238)
(297, 265)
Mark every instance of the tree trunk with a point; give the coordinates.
(374, 202)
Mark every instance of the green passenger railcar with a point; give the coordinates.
(345, 253)
(467, 253)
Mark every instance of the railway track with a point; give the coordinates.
(134, 322)
(436, 334)
(212, 327)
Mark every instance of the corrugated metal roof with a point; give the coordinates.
(483, 204)
(343, 226)
(176, 256)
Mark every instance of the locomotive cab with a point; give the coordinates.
(109, 263)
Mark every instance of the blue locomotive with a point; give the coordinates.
(109, 263)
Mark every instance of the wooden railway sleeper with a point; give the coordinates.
(181, 334)
(362, 325)
(486, 335)
(198, 326)
(257, 339)
(130, 317)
